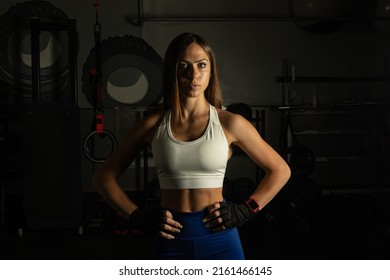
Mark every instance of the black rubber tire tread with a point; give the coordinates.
(121, 45)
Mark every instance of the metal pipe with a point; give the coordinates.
(72, 34)
(36, 27)
(140, 13)
(141, 18)
(35, 60)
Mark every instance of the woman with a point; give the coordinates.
(191, 142)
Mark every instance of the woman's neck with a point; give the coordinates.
(194, 107)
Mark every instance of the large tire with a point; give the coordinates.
(15, 51)
(131, 73)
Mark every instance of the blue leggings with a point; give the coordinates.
(195, 242)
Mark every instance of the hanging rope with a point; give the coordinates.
(97, 84)
(96, 73)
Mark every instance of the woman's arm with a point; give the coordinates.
(105, 180)
(243, 134)
(277, 172)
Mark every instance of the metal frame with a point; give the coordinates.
(36, 27)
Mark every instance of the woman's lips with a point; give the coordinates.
(194, 86)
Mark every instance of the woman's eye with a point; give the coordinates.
(202, 65)
(182, 66)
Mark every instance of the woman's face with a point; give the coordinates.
(194, 71)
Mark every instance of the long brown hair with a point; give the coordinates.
(173, 54)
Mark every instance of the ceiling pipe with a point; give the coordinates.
(141, 18)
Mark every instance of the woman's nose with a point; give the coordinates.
(192, 72)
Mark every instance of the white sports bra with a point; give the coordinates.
(196, 164)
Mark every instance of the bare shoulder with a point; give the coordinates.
(149, 124)
(153, 119)
(231, 121)
(234, 125)
(149, 120)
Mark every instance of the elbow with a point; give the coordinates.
(284, 173)
(280, 174)
(287, 172)
(103, 180)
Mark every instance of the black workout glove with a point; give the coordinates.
(147, 220)
(232, 215)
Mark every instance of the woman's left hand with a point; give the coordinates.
(213, 219)
(226, 215)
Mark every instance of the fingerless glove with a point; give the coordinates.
(234, 215)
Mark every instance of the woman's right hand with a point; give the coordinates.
(169, 226)
(154, 220)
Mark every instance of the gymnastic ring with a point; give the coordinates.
(87, 139)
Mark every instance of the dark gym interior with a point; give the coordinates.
(313, 76)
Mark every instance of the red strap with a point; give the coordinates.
(99, 116)
(97, 6)
(99, 121)
(93, 72)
